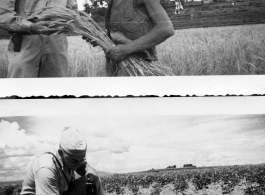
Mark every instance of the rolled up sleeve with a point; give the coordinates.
(9, 20)
(46, 183)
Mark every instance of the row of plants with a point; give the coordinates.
(253, 177)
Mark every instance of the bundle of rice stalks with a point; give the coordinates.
(64, 21)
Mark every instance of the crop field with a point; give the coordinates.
(209, 181)
(233, 180)
(219, 14)
(231, 50)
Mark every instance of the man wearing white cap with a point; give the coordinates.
(53, 173)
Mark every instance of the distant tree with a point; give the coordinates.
(96, 8)
(167, 3)
(8, 190)
(87, 7)
(98, 3)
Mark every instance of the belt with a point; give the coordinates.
(26, 33)
(22, 33)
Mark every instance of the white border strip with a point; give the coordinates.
(159, 86)
(133, 106)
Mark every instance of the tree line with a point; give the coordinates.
(98, 8)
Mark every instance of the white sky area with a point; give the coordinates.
(80, 4)
(130, 142)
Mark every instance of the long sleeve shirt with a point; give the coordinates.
(15, 14)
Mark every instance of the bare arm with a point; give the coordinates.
(162, 30)
(86, 170)
(9, 20)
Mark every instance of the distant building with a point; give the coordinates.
(172, 167)
(178, 7)
(192, 3)
(242, 2)
(207, 1)
(169, 6)
(189, 166)
(257, 2)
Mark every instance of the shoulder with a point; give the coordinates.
(47, 181)
(46, 160)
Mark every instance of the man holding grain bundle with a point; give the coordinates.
(32, 52)
(53, 173)
(136, 27)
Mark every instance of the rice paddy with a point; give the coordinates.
(233, 50)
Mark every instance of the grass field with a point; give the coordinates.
(231, 50)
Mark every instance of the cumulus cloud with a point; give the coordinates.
(96, 148)
(15, 141)
(118, 145)
(101, 133)
(214, 156)
(17, 149)
(11, 135)
(14, 168)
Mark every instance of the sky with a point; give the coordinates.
(131, 143)
(80, 4)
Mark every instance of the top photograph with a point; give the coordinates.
(124, 38)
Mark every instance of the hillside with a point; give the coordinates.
(8, 183)
(103, 174)
(214, 15)
(180, 169)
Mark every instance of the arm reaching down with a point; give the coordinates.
(91, 174)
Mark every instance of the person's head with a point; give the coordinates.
(72, 148)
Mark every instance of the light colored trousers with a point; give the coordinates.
(40, 56)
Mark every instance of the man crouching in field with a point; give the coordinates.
(136, 27)
(53, 173)
(31, 51)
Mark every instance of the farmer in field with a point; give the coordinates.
(32, 52)
(136, 27)
(54, 173)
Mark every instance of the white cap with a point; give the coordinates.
(72, 142)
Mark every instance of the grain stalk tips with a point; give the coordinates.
(252, 65)
(64, 20)
(259, 58)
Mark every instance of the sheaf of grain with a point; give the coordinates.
(64, 20)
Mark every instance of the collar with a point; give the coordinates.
(70, 173)
(58, 156)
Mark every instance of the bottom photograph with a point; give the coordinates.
(132, 146)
